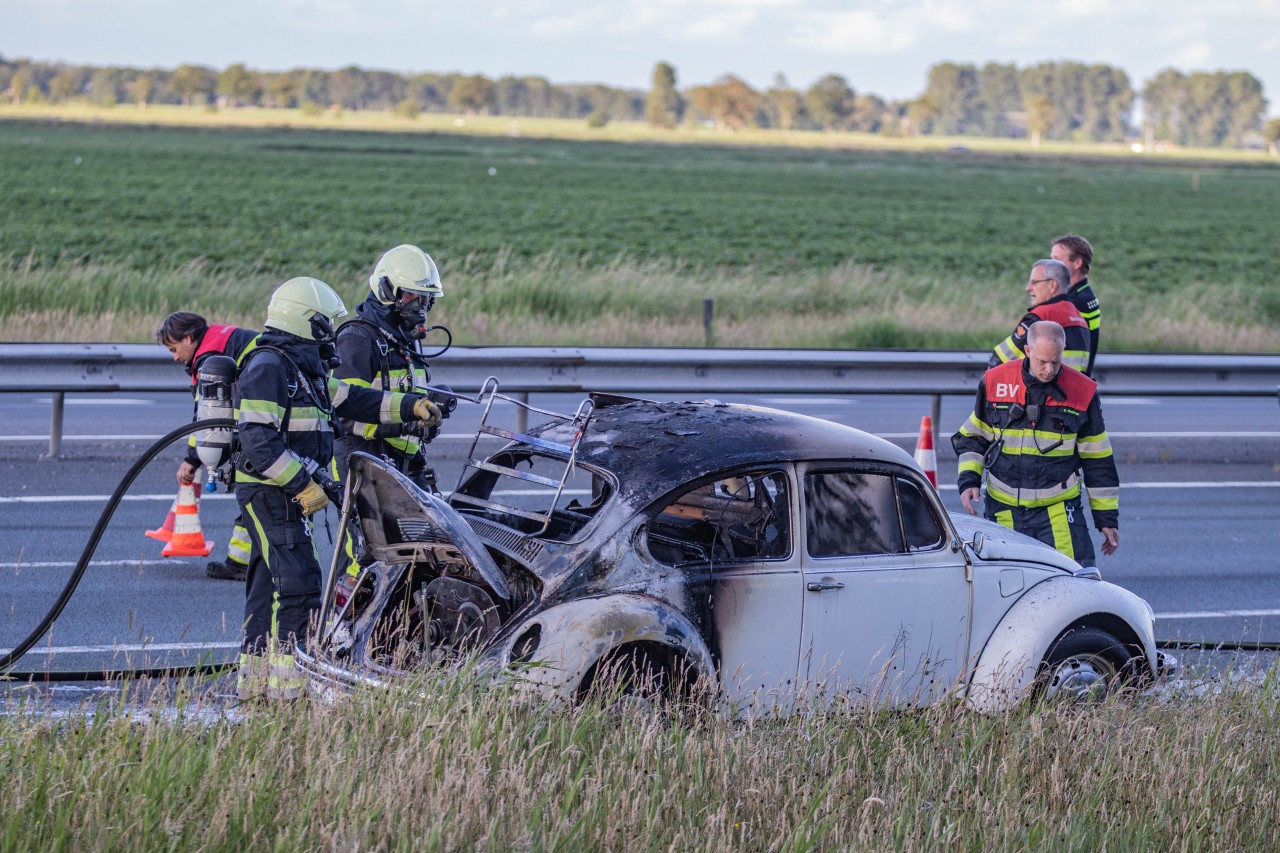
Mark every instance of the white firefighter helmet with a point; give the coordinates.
(302, 304)
(405, 268)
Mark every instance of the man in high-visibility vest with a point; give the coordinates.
(191, 339)
(1047, 288)
(1036, 427)
(1077, 253)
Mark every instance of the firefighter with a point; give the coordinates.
(379, 349)
(191, 339)
(286, 403)
(1034, 429)
(1047, 288)
(1075, 251)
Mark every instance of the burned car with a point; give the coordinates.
(780, 559)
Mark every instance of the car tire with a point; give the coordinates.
(1085, 664)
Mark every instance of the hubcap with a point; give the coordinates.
(1083, 677)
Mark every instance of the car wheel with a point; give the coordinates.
(638, 676)
(1084, 665)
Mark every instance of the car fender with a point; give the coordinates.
(578, 634)
(1007, 664)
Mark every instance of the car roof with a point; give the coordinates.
(666, 444)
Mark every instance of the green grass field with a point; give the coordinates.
(106, 228)
(469, 770)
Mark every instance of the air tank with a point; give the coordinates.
(215, 382)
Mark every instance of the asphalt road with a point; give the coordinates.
(1200, 520)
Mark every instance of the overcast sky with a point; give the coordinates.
(879, 46)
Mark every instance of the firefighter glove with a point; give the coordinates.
(312, 498)
(427, 412)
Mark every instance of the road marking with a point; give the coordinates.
(130, 437)
(67, 564)
(1216, 614)
(132, 647)
(217, 496)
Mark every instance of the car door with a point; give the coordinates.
(733, 538)
(887, 601)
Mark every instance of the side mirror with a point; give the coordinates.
(975, 544)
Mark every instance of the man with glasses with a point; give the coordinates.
(1036, 432)
(1047, 289)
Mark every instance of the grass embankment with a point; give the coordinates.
(107, 229)
(466, 770)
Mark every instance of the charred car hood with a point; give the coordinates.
(393, 513)
(999, 543)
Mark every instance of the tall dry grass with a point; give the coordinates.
(471, 769)
(554, 301)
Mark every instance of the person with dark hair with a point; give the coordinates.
(1035, 429)
(1075, 251)
(191, 339)
(1047, 289)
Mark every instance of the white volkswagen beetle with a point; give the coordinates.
(778, 558)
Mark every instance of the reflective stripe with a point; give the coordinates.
(1025, 442)
(1061, 529)
(1008, 350)
(1004, 518)
(1014, 496)
(260, 412)
(971, 463)
(1076, 358)
(284, 469)
(976, 428)
(264, 547)
(238, 548)
(1095, 446)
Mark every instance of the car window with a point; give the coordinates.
(742, 518)
(923, 531)
(848, 513)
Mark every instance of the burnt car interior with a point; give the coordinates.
(740, 518)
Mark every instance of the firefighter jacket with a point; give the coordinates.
(1034, 438)
(285, 405)
(1081, 295)
(370, 360)
(218, 339)
(1062, 311)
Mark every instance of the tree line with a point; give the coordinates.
(1049, 100)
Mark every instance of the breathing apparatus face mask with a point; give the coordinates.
(411, 315)
(322, 330)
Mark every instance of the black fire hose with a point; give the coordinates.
(90, 548)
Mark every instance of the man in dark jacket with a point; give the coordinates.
(191, 339)
(1047, 288)
(1076, 252)
(1035, 427)
(286, 404)
(379, 349)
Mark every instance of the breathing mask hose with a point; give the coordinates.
(8, 659)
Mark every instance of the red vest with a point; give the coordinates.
(214, 341)
(1006, 385)
(1063, 312)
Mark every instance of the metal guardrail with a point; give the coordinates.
(60, 368)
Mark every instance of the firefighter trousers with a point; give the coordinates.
(1062, 526)
(282, 591)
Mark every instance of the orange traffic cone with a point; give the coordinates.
(165, 531)
(925, 457)
(188, 540)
